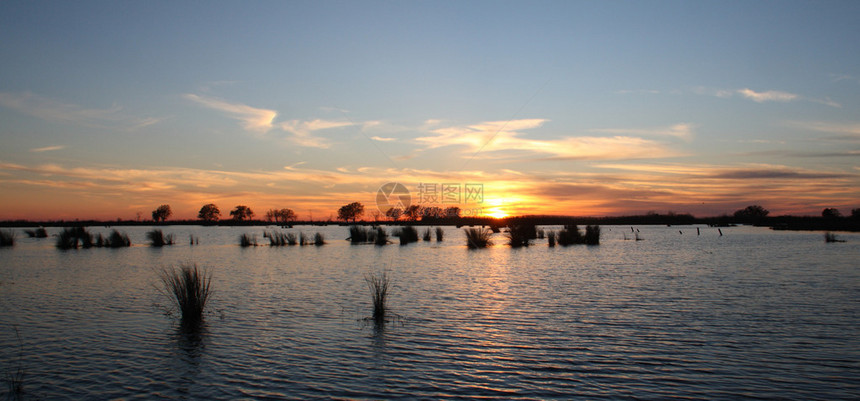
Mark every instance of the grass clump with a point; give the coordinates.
(439, 234)
(519, 235)
(277, 238)
(7, 238)
(74, 238)
(118, 240)
(571, 235)
(831, 237)
(381, 236)
(188, 289)
(379, 285)
(550, 238)
(408, 235)
(359, 234)
(427, 235)
(158, 239)
(246, 240)
(319, 239)
(40, 232)
(478, 237)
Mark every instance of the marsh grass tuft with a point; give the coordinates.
(408, 235)
(478, 237)
(319, 239)
(73, 238)
(358, 234)
(571, 235)
(158, 239)
(381, 236)
(188, 289)
(40, 232)
(246, 240)
(379, 285)
(427, 235)
(550, 238)
(7, 238)
(277, 238)
(439, 234)
(519, 235)
(831, 237)
(117, 240)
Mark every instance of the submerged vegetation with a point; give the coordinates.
(188, 289)
(478, 237)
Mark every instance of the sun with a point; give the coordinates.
(496, 213)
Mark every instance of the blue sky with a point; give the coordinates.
(565, 107)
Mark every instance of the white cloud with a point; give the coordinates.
(252, 118)
(681, 130)
(382, 139)
(47, 148)
(503, 136)
(767, 96)
(54, 110)
(303, 131)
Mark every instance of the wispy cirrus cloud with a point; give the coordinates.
(495, 137)
(763, 96)
(54, 110)
(252, 118)
(682, 131)
(303, 131)
(47, 148)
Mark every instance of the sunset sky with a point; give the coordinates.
(109, 109)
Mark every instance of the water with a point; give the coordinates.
(752, 314)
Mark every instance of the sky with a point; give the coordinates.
(589, 108)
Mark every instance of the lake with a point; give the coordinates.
(753, 313)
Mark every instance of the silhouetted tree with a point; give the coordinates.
(855, 213)
(209, 213)
(433, 212)
(285, 215)
(242, 212)
(394, 213)
(413, 212)
(751, 214)
(351, 211)
(830, 213)
(452, 212)
(161, 213)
